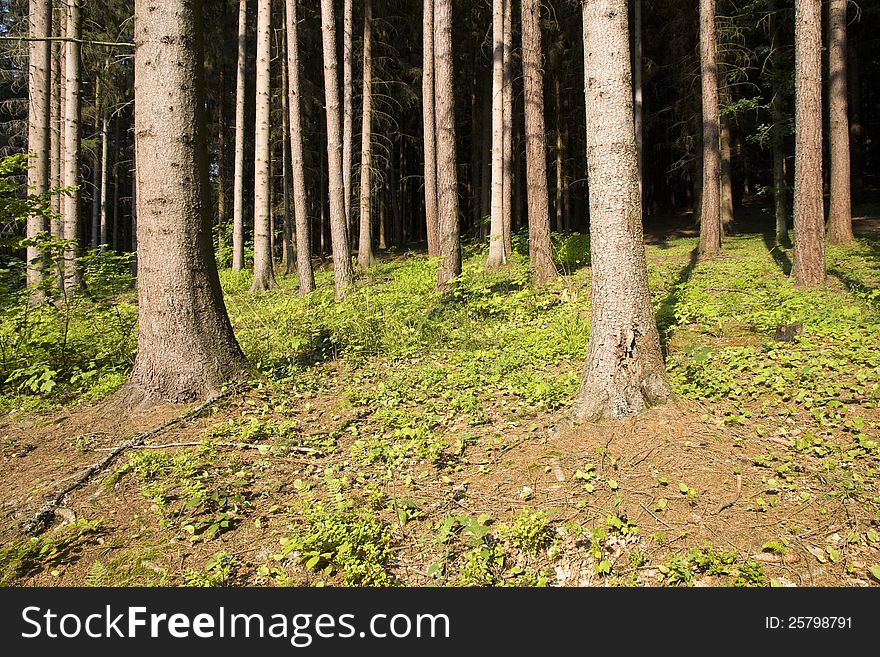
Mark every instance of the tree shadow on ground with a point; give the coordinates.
(666, 310)
(778, 251)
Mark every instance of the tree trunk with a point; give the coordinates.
(497, 255)
(96, 169)
(780, 186)
(39, 116)
(710, 216)
(347, 109)
(222, 151)
(117, 147)
(560, 155)
(540, 251)
(342, 271)
(447, 180)
(840, 210)
(289, 253)
(808, 266)
(508, 170)
(72, 86)
(238, 182)
(264, 276)
(57, 94)
(105, 178)
(638, 96)
(186, 348)
(365, 241)
(624, 369)
(726, 182)
(300, 207)
(430, 130)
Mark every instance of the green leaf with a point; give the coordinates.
(612, 484)
(684, 488)
(875, 572)
(872, 536)
(661, 504)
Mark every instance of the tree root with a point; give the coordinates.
(46, 512)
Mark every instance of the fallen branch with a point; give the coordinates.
(42, 517)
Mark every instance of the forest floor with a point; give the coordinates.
(403, 439)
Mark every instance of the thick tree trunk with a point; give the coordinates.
(300, 206)
(780, 186)
(540, 251)
(808, 266)
(710, 215)
(447, 180)
(347, 109)
(238, 180)
(365, 240)
(430, 129)
(186, 348)
(497, 255)
(840, 210)
(624, 370)
(342, 270)
(39, 117)
(264, 275)
(72, 84)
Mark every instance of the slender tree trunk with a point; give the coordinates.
(447, 179)
(39, 117)
(96, 169)
(264, 276)
(300, 206)
(508, 167)
(365, 243)
(186, 348)
(117, 147)
(624, 369)
(540, 251)
(105, 178)
(497, 255)
(808, 266)
(348, 109)
(560, 155)
(726, 182)
(840, 211)
(222, 152)
(710, 218)
(856, 132)
(780, 186)
(638, 96)
(342, 270)
(430, 130)
(238, 181)
(72, 86)
(56, 127)
(486, 148)
(289, 255)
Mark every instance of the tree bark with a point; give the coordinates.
(289, 250)
(638, 96)
(264, 275)
(808, 266)
(105, 178)
(342, 270)
(300, 206)
(186, 347)
(710, 216)
(430, 129)
(624, 370)
(497, 255)
(70, 204)
(508, 169)
(840, 201)
(365, 240)
(347, 109)
(537, 196)
(238, 180)
(55, 226)
(447, 170)
(726, 172)
(780, 186)
(96, 169)
(39, 116)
